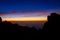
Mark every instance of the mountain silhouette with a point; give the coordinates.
(53, 23)
(9, 27)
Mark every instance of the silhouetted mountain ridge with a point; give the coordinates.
(52, 25)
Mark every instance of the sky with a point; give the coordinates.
(28, 9)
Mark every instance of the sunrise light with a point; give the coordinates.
(26, 19)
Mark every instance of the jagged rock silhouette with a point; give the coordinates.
(53, 23)
(0, 20)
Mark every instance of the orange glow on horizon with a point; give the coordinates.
(25, 19)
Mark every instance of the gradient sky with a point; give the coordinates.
(28, 8)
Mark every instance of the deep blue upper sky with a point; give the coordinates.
(17, 5)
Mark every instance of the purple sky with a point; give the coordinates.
(26, 14)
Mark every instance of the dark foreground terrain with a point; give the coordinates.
(52, 25)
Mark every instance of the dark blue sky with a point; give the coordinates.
(17, 5)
